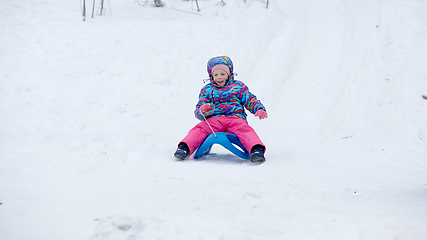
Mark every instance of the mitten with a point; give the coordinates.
(207, 109)
(261, 114)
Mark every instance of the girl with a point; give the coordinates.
(222, 102)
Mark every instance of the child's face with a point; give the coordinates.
(220, 77)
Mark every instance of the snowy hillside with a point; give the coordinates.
(91, 113)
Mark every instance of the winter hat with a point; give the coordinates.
(221, 67)
(221, 60)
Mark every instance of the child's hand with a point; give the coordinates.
(207, 109)
(261, 114)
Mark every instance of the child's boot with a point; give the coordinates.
(257, 154)
(182, 151)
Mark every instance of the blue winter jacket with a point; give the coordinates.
(230, 100)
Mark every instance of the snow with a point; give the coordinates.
(91, 113)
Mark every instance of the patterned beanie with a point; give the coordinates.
(221, 60)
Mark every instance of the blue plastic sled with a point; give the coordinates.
(224, 139)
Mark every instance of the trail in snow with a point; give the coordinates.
(91, 112)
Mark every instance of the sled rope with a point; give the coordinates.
(208, 123)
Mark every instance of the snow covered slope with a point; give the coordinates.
(91, 112)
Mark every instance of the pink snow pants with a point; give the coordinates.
(234, 125)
